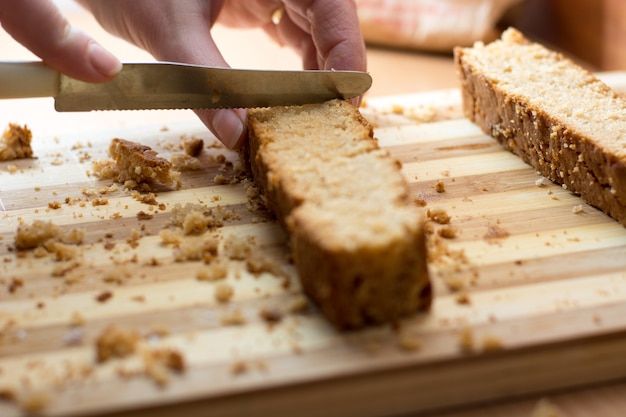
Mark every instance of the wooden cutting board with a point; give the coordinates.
(530, 296)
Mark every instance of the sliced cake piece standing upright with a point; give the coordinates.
(357, 240)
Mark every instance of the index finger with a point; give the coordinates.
(40, 27)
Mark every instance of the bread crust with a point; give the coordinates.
(358, 243)
(589, 165)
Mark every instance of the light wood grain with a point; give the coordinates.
(552, 292)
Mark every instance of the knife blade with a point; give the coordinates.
(167, 85)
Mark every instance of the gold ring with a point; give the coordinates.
(277, 15)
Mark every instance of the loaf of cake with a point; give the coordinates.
(357, 241)
(552, 113)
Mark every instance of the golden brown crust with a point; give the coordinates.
(562, 135)
(358, 244)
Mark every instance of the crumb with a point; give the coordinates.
(134, 238)
(233, 318)
(54, 205)
(76, 319)
(15, 143)
(15, 284)
(136, 165)
(409, 342)
(215, 271)
(99, 202)
(104, 296)
(114, 342)
(196, 218)
(183, 162)
(41, 232)
(440, 186)
(577, 209)
(7, 394)
(224, 292)
(271, 316)
(220, 179)
(193, 146)
(160, 363)
(142, 215)
(448, 232)
(491, 344)
(239, 368)
(169, 236)
(438, 215)
(463, 298)
(148, 198)
(35, 401)
(237, 248)
(198, 249)
(495, 232)
(466, 340)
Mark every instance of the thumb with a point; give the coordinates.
(40, 27)
(228, 125)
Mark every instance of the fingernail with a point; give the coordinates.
(103, 61)
(228, 127)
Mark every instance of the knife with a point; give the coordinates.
(167, 85)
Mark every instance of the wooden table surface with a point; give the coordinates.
(394, 72)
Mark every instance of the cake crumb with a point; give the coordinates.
(215, 271)
(160, 363)
(440, 186)
(42, 234)
(35, 401)
(193, 146)
(239, 367)
(15, 143)
(104, 296)
(224, 292)
(466, 340)
(238, 248)
(577, 209)
(491, 343)
(114, 342)
(233, 318)
(448, 232)
(271, 316)
(77, 319)
(136, 165)
(463, 298)
(409, 342)
(438, 215)
(495, 233)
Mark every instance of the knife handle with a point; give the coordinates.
(27, 79)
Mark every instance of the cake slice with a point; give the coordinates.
(358, 242)
(553, 114)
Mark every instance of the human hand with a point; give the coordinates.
(39, 26)
(324, 32)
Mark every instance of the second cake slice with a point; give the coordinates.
(358, 242)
